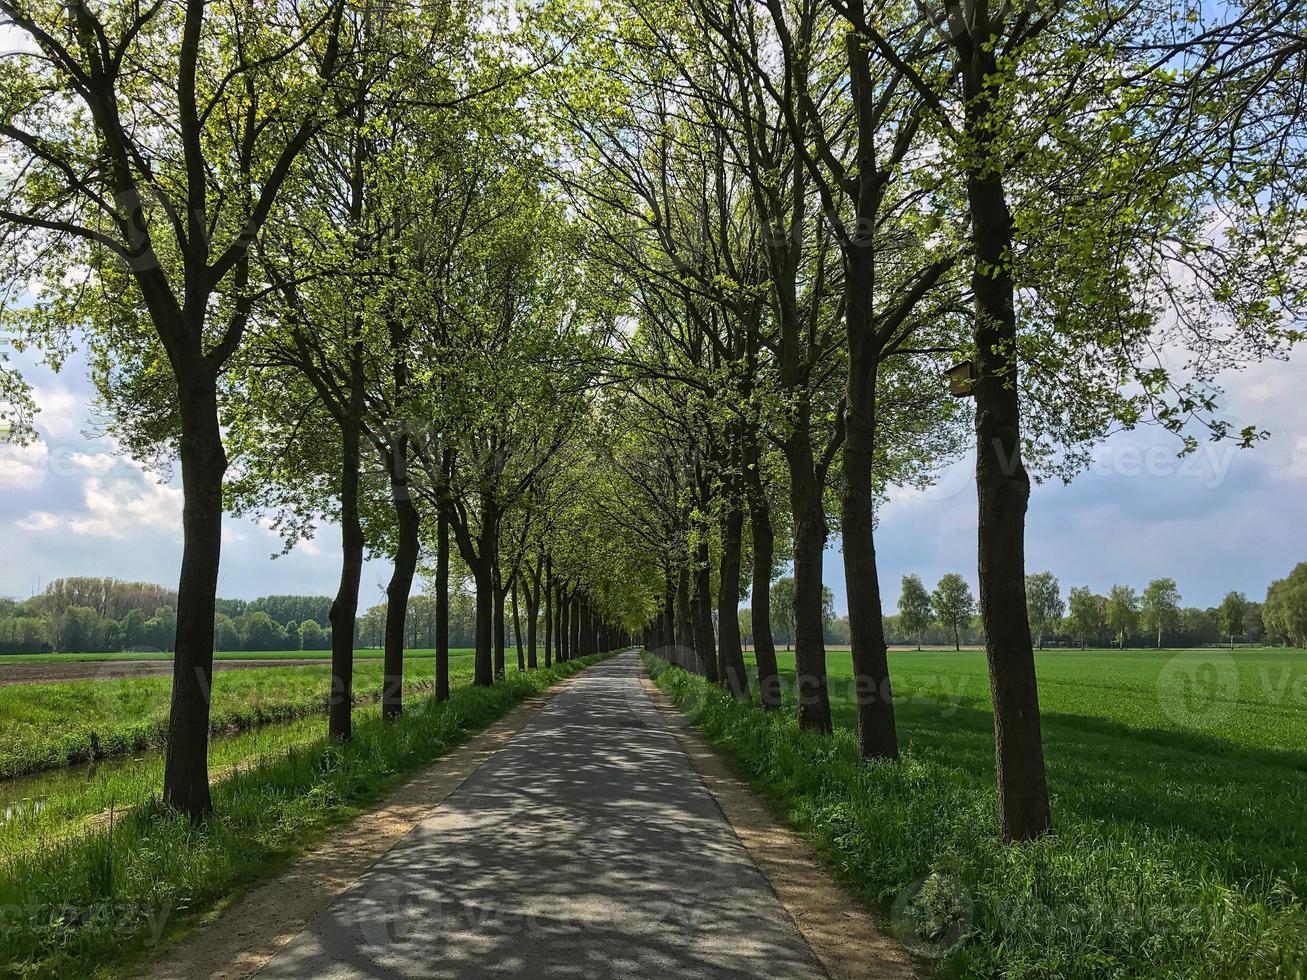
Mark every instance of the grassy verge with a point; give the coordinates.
(371, 653)
(44, 726)
(1171, 859)
(88, 905)
(49, 806)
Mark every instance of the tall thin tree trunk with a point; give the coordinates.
(731, 652)
(397, 591)
(561, 615)
(532, 628)
(484, 667)
(685, 623)
(1002, 484)
(442, 605)
(517, 627)
(809, 543)
(574, 641)
(344, 609)
(877, 736)
(203, 463)
(764, 646)
(499, 618)
(548, 589)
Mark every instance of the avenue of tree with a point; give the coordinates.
(618, 310)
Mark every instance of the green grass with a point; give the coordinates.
(1180, 817)
(64, 658)
(44, 726)
(89, 905)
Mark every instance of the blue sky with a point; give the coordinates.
(1223, 519)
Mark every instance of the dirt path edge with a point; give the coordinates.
(241, 939)
(847, 941)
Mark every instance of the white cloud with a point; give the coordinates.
(61, 411)
(122, 508)
(23, 467)
(94, 462)
(40, 520)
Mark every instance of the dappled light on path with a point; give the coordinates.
(587, 847)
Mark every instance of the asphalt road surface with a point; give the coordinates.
(586, 847)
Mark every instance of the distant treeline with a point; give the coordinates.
(83, 615)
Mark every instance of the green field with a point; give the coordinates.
(1179, 785)
(372, 653)
(43, 726)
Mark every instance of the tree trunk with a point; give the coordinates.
(684, 623)
(548, 589)
(484, 573)
(1002, 484)
(533, 597)
(730, 650)
(344, 610)
(397, 592)
(203, 463)
(764, 646)
(877, 736)
(517, 627)
(483, 674)
(564, 631)
(809, 543)
(498, 591)
(705, 644)
(442, 606)
(574, 617)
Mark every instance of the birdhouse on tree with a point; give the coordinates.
(960, 378)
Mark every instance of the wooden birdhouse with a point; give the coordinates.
(960, 378)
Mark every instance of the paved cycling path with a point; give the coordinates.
(586, 847)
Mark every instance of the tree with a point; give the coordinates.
(1122, 613)
(1088, 614)
(1160, 607)
(954, 605)
(1233, 612)
(1285, 610)
(77, 629)
(915, 610)
(225, 635)
(259, 631)
(1044, 605)
(150, 150)
(311, 636)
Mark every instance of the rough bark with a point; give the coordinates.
(730, 649)
(442, 606)
(344, 609)
(548, 589)
(1002, 484)
(685, 654)
(517, 627)
(203, 463)
(764, 647)
(809, 543)
(397, 591)
(498, 592)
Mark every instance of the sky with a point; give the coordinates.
(1220, 520)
